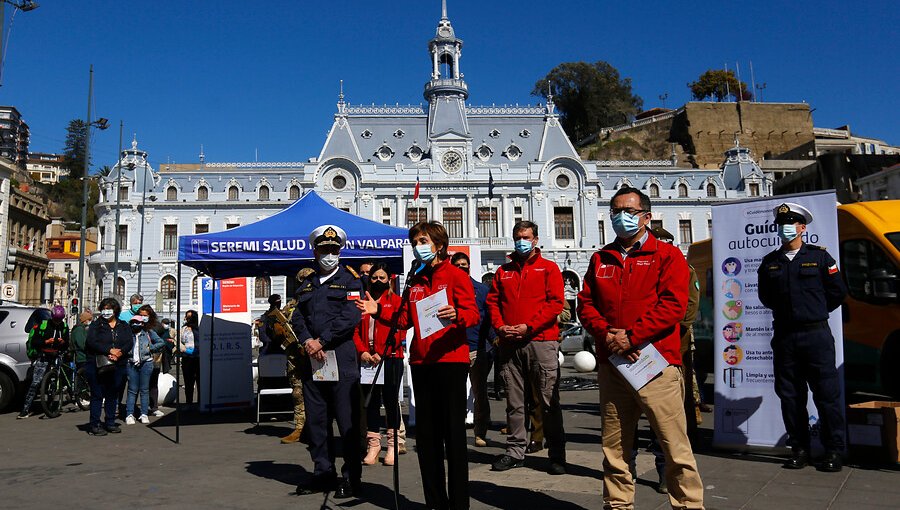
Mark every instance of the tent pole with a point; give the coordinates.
(178, 359)
(212, 338)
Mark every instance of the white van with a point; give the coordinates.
(15, 322)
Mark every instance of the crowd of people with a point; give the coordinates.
(639, 291)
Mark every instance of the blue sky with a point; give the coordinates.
(261, 77)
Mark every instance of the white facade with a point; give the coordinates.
(883, 185)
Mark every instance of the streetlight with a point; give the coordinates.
(101, 124)
(663, 97)
(760, 88)
(24, 6)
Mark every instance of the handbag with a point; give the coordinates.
(157, 359)
(104, 364)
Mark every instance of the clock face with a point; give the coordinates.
(451, 162)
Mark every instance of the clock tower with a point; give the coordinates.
(446, 92)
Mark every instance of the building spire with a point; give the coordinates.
(341, 105)
(134, 141)
(444, 9)
(202, 157)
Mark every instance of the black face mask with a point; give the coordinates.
(466, 269)
(378, 288)
(137, 327)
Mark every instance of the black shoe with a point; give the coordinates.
(799, 460)
(346, 489)
(97, 431)
(662, 488)
(832, 463)
(506, 462)
(113, 429)
(557, 468)
(316, 485)
(533, 447)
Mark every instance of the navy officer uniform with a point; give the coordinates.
(326, 312)
(801, 284)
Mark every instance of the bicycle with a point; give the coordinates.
(63, 384)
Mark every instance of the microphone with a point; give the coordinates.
(416, 267)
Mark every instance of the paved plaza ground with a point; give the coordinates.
(224, 461)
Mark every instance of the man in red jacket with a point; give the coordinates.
(635, 293)
(525, 299)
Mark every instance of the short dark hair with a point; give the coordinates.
(627, 190)
(366, 262)
(191, 318)
(525, 224)
(435, 231)
(111, 302)
(459, 256)
(380, 266)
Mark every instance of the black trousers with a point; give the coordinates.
(190, 365)
(387, 394)
(441, 430)
(806, 359)
(340, 401)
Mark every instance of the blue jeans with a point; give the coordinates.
(139, 380)
(104, 392)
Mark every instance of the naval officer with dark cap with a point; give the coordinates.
(323, 321)
(801, 284)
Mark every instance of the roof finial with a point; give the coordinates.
(202, 156)
(443, 9)
(134, 142)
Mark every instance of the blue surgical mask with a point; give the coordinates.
(423, 253)
(135, 308)
(787, 233)
(626, 225)
(524, 246)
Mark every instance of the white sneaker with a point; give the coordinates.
(129, 420)
(158, 413)
(144, 419)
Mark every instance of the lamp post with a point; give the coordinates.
(101, 124)
(24, 6)
(760, 87)
(115, 284)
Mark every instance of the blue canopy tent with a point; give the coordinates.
(279, 245)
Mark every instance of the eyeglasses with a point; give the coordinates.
(628, 210)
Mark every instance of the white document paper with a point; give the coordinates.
(326, 371)
(367, 374)
(650, 364)
(427, 310)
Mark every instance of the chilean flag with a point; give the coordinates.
(416, 192)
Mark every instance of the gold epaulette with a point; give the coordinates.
(352, 271)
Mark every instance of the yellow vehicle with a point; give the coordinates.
(869, 236)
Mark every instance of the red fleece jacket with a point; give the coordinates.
(389, 303)
(530, 293)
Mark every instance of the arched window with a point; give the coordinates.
(120, 287)
(710, 190)
(233, 193)
(654, 191)
(682, 190)
(202, 193)
(171, 193)
(168, 287)
(263, 287)
(294, 192)
(263, 192)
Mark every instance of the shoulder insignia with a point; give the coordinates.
(815, 247)
(352, 271)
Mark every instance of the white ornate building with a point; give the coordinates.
(481, 169)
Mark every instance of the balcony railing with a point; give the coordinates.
(168, 254)
(109, 256)
(489, 243)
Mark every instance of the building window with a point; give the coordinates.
(682, 190)
(709, 226)
(710, 190)
(655, 224)
(168, 287)
(517, 214)
(263, 192)
(262, 287)
(229, 226)
(386, 215)
(123, 237)
(754, 189)
(123, 193)
(564, 223)
(685, 232)
(202, 193)
(171, 193)
(120, 287)
(294, 192)
(487, 222)
(416, 215)
(201, 228)
(602, 229)
(170, 237)
(339, 182)
(233, 193)
(453, 221)
(654, 191)
(562, 181)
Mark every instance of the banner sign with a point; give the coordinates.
(748, 413)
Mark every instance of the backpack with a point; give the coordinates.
(30, 350)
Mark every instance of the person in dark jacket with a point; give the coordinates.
(45, 340)
(190, 355)
(79, 336)
(112, 338)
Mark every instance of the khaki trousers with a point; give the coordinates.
(662, 401)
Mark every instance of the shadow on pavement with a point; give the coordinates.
(516, 497)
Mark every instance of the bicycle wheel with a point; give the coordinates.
(51, 394)
(82, 392)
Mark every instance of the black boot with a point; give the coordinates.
(832, 462)
(799, 459)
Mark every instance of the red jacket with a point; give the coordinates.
(448, 345)
(389, 303)
(529, 293)
(646, 295)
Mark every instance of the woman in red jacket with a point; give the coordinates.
(371, 336)
(440, 365)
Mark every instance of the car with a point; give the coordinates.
(575, 339)
(15, 322)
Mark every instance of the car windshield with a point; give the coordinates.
(894, 238)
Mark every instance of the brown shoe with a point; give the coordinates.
(480, 442)
(401, 448)
(293, 437)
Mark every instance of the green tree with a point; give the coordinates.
(720, 85)
(76, 141)
(589, 97)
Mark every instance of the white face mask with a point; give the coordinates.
(328, 262)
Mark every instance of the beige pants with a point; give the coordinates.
(662, 401)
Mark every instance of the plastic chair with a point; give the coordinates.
(271, 367)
